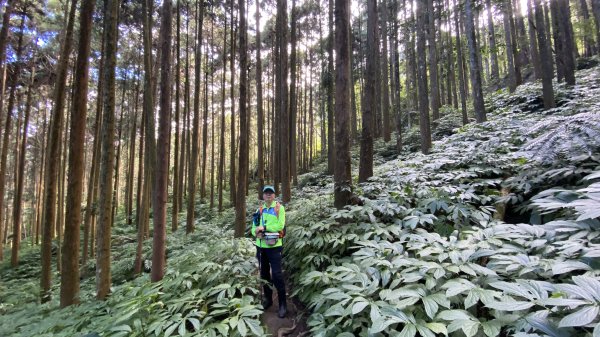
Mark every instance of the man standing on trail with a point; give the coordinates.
(268, 228)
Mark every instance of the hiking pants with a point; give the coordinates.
(270, 270)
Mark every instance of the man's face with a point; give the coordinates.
(268, 196)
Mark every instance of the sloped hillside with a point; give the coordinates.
(494, 233)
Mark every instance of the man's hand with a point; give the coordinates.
(260, 231)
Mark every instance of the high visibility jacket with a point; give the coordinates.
(272, 222)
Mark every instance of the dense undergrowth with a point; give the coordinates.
(209, 289)
(495, 233)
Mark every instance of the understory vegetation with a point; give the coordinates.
(495, 233)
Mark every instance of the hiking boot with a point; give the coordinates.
(282, 307)
(266, 303)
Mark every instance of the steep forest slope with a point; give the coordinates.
(494, 233)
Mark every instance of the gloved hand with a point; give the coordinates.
(260, 231)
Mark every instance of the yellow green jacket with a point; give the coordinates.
(271, 222)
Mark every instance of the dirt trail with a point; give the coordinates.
(292, 325)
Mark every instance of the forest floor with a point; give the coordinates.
(447, 198)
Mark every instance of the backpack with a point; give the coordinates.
(277, 207)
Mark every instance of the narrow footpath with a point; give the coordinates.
(294, 323)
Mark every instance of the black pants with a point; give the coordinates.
(270, 270)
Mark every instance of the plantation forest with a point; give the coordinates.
(438, 161)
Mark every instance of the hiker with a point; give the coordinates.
(268, 228)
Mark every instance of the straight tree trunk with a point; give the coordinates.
(52, 168)
(282, 101)
(293, 97)
(69, 283)
(259, 109)
(424, 126)
(567, 41)
(8, 10)
(107, 157)
(385, 97)
(365, 170)
(433, 63)
(342, 174)
(162, 156)
(193, 169)
(221, 176)
(476, 84)
(557, 37)
(330, 93)
(588, 39)
(18, 206)
(533, 46)
(511, 79)
(240, 209)
(545, 56)
(492, 37)
(176, 156)
(232, 147)
(596, 11)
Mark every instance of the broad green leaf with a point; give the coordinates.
(470, 328)
(453, 315)
(241, 327)
(437, 328)
(597, 330)
(491, 328)
(581, 317)
(379, 325)
(510, 306)
(409, 330)
(181, 330)
(431, 307)
(568, 266)
(358, 307)
(123, 327)
(255, 326)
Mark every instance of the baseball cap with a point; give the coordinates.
(268, 188)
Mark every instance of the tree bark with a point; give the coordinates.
(342, 174)
(193, 169)
(330, 93)
(69, 282)
(365, 170)
(433, 62)
(162, 156)
(107, 157)
(545, 56)
(424, 126)
(240, 209)
(492, 37)
(533, 46)
(259, 107)
(52, 168)
(385, 97)
(476, 84)
(511, 79)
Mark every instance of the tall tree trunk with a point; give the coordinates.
(107, 157)
(69, 282)
(476, 84)
(52, 168)
(533, 46)
(365, 170)
(342, 174)
(175, 205)
(557, 37)
(424, 126)
(512, 80)
(385, 97)
(545, 56)
(433, 63)
(20, 178)
(162, 156)
(330, 89)
(492, 37)
(221, 176)
(596, 11)
(232, 148)
(588, 38)
(567, 40)
(193, 169)
(293, 97)
(259, 108)
(240, 209)
(282, 101)
(8, 10)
